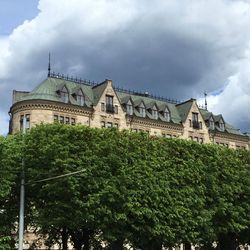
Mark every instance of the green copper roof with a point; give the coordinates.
(184, 108)
(49, 89)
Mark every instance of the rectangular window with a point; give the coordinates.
(102, 106)
(115, 125)
(211, 124)
(195, 120)
(142, 111)
(200, 125)
(73, 121)
(102, 124)
(155, 114)
(67, 120)
(129, 109)
(61, 119)
(116, 109)
(27, 121)
(24, 122)
(196, 139)
(166, 116)
(109, 104)
(109, 125)
(55, 118)
(201, 140)
(21, 122)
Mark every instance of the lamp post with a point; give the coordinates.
(22, 191)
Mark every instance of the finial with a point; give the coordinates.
(205, 94)
(49, 66)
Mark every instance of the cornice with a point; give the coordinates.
(151, 123)
(49, 105)
(228, 136)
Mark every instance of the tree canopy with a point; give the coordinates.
(129, 189)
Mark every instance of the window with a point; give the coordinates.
(201, 140)
(109, 104)
(109, 125)
(115, 125)
(61, 119)
(116, 109)
(129, 108)
(190, 123)
(211, 123)
(195, 120)
(64, 95)
(166, 115)
(73, 121)
(142, 110)
(102, 124)
(200, 126)
(196, 139)
(55, 118)
(24, 122)
(155, 113)
(103, 106)
(67, 120)
(222, 125)
(80, 98)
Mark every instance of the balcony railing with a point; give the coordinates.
(196, 124)
(110, 108)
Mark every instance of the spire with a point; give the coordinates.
(49, 66)
(205, 94)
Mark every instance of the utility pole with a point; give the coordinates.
(22, 191)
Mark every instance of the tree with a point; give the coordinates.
(10, 163)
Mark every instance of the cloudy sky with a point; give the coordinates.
(172, 48)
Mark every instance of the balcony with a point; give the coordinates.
(110, 108)
(196, 124)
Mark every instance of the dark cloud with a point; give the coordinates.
(176, 49)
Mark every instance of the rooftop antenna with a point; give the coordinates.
(49, 66)
(205, 94)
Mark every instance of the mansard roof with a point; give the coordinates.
(48, 90)
(228, 128)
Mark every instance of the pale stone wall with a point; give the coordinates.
(102, 116)
(189, 131)
(42, 111)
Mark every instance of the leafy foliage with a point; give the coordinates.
(130, 188)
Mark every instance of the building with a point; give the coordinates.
(72, 101)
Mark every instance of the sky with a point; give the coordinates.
(172, 48)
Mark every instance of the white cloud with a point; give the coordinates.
(179, 47)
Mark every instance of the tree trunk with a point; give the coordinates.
(227, 242)
(187, 246)
(64, 239)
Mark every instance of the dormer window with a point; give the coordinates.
(221, 125)
(211, 123)
(64, 95)
(142, 110)
(80, 98)
(155, 112)
(129, 108)
(166, 115)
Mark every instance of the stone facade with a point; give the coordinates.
(183, 120)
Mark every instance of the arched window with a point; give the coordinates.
(64, 95)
